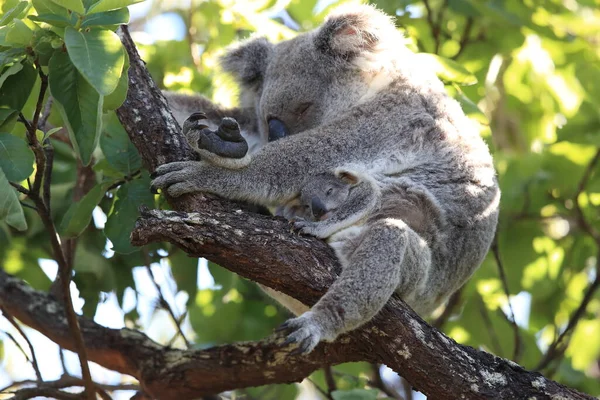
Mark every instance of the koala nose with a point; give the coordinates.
(318, 208)
(277, 129)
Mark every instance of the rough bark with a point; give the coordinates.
(263, 249)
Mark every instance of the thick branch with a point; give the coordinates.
(166, 373)
(263, 249)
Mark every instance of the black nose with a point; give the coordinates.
(277, 129)
(318, 208)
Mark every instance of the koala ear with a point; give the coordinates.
(248, 61)
(351, 30)
(347, 177)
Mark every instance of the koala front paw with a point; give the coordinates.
(304, 227)
(226, 141)
(304, 330)
(177, 178)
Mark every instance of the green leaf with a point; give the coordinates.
(13, 69)
(448, 70)
(10, 208)
(121, 221)
(75, 5)
(53, 19)
(13, 13)
(116, 98)
(16, 88)
(463, 7)
(79, 215)
(354, 394)
(117, 148)
(99, 57)
(16, 158)
(108, 5)
(79, 104)
(115, 17)
(18, 33)
(49, 7)
(11, 56)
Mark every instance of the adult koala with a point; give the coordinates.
(350, 95)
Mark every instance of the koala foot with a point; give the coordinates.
(226, 141)
(305, 330)
(310, 228)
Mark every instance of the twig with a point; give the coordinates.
(30, 393)
(436, 25)
(46, 113)
(64, 271)
(49, 153)
(377, 382)
(67, 381)
(495, 342)
(162, 301)
(517, 337)
(33, 360)
(329, 380)
(125, 179)
(559, 346)
(452, 303)
(464, 39)
(21, 349)
(320, 389)
(19, 188)
(589, 229)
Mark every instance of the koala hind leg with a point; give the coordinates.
(390, 257)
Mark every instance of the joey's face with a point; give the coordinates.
(323, 195)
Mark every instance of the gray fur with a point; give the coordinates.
(375, 109)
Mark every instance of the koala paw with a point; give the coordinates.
(177, 178)
(305, 331)
(310, 228)
(226, 141)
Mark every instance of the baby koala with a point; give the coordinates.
(335, 202)
(339, 205)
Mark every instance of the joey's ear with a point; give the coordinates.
(248, 61)
(347, 177)
(351, 30)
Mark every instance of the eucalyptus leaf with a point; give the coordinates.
(79, 104)
(108, 5)
(120, 223)
(98, 55)
(10, 209)
(16, 158)
(75, 5)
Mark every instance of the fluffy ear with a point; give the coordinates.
(347, 177)
(248, 61)
(351, 30)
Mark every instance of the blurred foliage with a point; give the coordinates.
(527, 72)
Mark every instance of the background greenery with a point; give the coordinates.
(527, 71)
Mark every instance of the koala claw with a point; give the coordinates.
(176, 178)
(304, 331)
(305, 227)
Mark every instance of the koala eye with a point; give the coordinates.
(302, 108)
(329, 191)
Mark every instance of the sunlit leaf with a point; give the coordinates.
(98, 56)
(79, 104)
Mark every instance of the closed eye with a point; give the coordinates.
(302, 109)
(329, 191)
